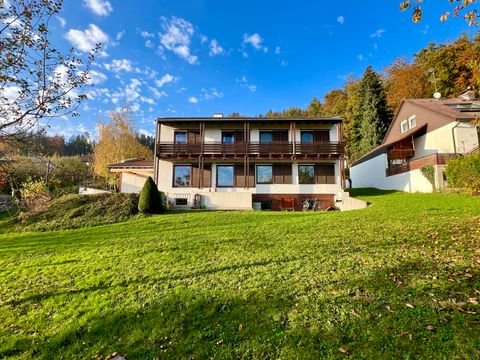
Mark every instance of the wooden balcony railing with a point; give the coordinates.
(401, 153)
(433, 159)
(168, 149)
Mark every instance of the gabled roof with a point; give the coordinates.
(430, 114)
(133, 164)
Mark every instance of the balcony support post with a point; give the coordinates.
(156, 152)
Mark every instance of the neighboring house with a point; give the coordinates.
(423, 132)
(237, 163)
(132, 174)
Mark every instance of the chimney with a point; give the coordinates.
(218, 115)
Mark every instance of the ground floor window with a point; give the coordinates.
(182, 175)
(306, 174)
(225, 175)
(264, 174)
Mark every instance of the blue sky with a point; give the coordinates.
(194, 58)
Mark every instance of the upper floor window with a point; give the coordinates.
(228, 137)
(408, 124)
(181, 137)
(266, 137)
(306, 137)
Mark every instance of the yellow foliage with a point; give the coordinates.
(117, 142)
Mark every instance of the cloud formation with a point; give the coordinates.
(86, 40)
(99, 7)
(177, 36)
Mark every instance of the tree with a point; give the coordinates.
(376, 115)
(117, 141)
(79, 145)
(461, 7)
(314, 108)
(406, 81)
(37, 81)
(352, 120)
(147, 141)
(335, 103)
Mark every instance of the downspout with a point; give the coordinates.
(155, 162)
(453, 138)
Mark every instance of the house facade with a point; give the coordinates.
(423, 132)
(240, 163)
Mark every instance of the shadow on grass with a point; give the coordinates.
(370, 192)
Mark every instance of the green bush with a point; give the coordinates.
(76, 211)
(429, 172)
(150, 201)
(464, 173)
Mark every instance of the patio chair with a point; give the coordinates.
(287, 204)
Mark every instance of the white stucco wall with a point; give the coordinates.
(466, 138)
(371, 173)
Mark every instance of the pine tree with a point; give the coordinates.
(375, 112)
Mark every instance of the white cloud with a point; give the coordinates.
(215, 48)
(146, 34)
(375, 46)
(62, 21)
(378, 33)
(192, 100)
(360, 57)
(96, 77)
(85, 41)
(147, 100)
(145, 132)
(119, 65)
(156, 93)
(255, 40)
(341, 20)
(277, 50)
(212, 94)
(99, 7)
(120, 35)
(165, 79)
(203, 39)
(245, 84)
(177, 36)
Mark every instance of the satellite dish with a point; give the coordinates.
(437, 95)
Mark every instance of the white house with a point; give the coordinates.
(240, 162)
(423, 132)
(132, 174)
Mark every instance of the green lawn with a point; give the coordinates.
(400, 279)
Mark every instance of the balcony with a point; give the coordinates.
(397, 154)
(170, 150)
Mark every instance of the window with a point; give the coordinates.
(306, 174)
(180, 137)
(225, 175)
(264, 174)
(181, 201)
(266, 137)
(307, 137)
(228, 137)
(404, 126)
(182, 175)
(412, 121)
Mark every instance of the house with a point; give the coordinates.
(132, 174)
(243, 162)
(423, 132)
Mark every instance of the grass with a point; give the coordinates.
(400, 279)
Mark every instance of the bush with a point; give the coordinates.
(464, 173)
(429, 172)
(150, 201)
(76, 211)
(33, 195)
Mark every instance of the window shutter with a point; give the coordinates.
(251, 176)
(287, 173)
(195, 181)
(277, 173)
(239, 176)
(207, 175)
(321, 136)
(194, 137)
(325, 174)
(239, 136)
(281, 135)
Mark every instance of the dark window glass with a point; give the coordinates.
(228, 137)
(266, 136)
(180, 138)
(225, 175)
(307, 137)
(182, 175)
(264, 174)
(306, 174)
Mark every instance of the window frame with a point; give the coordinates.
(178, 133)
(305, 132)
(232, 133)
(233, 175)
(412, 122)
(257, 172)
(265, 132)
(402, 123)
(313, 175)
(174, 176)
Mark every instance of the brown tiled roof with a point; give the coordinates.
(133, 164)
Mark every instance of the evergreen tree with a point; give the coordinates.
(376, 114)
(150, 200)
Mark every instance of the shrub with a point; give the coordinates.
(464, 173)
(33, 195)
(429, 172)
(150, 198)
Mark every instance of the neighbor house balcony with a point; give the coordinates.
(397, 154)
(280, 149)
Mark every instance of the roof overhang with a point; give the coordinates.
(223, 120)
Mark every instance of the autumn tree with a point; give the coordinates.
(406, 81)
(117, 141)
(335, 103)
(461, 8)
(315, 108)
(37, 81)
(375, 112)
